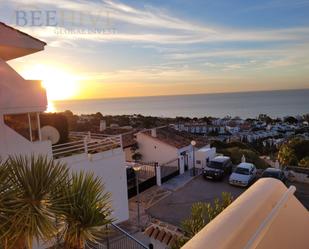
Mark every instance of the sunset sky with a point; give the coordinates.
(104, 49)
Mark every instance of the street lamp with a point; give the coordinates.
(137, 168)
(193, 143)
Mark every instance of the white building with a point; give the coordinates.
(164, 145)
(203, 156)
(22, 101)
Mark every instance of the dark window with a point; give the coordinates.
(21, 124)
(215, 165)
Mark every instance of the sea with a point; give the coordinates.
(245, 105)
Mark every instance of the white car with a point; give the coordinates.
(243, 175)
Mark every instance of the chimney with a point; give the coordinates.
(154, 132)
(102, 125)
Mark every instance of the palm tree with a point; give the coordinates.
(26, 210)
(85, 210)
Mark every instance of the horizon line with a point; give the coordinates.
(172, 95)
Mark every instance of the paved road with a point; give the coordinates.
(176, 207)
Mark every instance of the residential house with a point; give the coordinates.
(165, 144)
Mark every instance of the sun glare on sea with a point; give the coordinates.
(59, 84)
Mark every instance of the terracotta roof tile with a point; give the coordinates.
(161, 234)
(167, 238)
(149, 231)
(172, 241)
(155, 233)
(176, 138)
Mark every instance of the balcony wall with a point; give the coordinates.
(110, 166)
(18, 95)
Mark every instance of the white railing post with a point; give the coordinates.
(181, 165)
(89, 135)
(120, 141)
(158, 174)
(86, 144)
(30, 128)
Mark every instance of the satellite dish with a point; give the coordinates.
(50, 133)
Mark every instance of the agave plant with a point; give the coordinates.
(26, 208)
(5, 195)
(85, 210)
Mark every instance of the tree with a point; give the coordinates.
(293, 151)
(40, 200)
(137, 156)
(26, 200)
(291, 120)
(85, 210)
(201, 214)
(265, 118)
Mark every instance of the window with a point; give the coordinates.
(198, 162)
(21, 123)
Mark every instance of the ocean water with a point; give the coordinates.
(248, 104)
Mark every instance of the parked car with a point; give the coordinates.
(217, 168)
(274, 173)
(243, 175)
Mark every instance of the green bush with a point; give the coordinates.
(201, 214)
(294, 152)
(236, 153)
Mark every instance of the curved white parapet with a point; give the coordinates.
(266, 216)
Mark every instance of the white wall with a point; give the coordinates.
(204, 154)
(110, 166)
(153, 149)
(18, 95)
(128, 154)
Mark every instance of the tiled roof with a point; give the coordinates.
(128, 138)
(176, 138)
(162, 235)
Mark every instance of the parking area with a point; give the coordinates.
(176, 207)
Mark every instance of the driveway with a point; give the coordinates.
(177, 206)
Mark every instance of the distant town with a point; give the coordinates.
(263, 135)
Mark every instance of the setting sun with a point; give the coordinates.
(59, 84)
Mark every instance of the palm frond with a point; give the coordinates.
(86, 209)
(28, 208)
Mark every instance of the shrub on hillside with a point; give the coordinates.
(236, 154)
(294, 152)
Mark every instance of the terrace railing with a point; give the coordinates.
(86, 142)
(117, 239)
